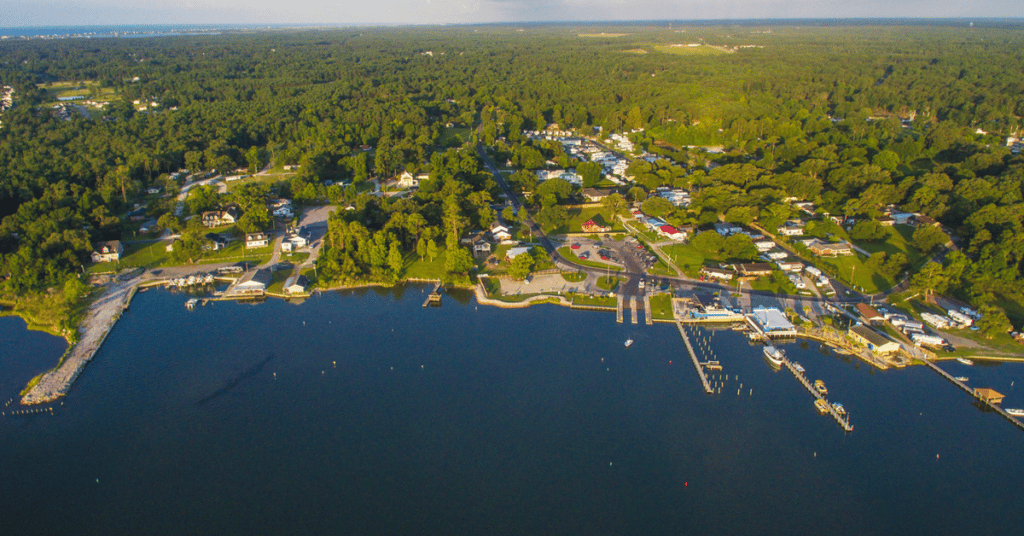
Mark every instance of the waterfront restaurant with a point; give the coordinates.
(773, 322)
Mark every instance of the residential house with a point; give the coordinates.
(107, 251)
(139, 214)
(149, 226)
(873, 340)
(755, 269)
(792, 228)
(776, 254)
(407, 180)
(715, 272)
(481, 247)
(256, 240)
(596, 195)
(727, 229)
(296, 285)
(590, 226)
(216, 218)
(789, 265)
(214, 242)
(764, 245)
(828, 249)
(671, 233)
(499, 232)
(512, 253)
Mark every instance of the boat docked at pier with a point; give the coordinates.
(797, 367)
(965, 361)
(820, 386)
(775, 355)
(839, 408)
(961, 378)
(822, 405)
(1016, 412)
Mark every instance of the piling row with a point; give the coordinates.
(693, 357)
(803, 379)
(974, 393)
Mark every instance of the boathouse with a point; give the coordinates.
(990, 395)
(773, 322)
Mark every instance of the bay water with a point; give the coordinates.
(361, 412)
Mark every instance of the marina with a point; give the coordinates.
(693, 357)
(984, 396)
(820, 402)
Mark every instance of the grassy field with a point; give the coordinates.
(593, 301)
(661, 307)
(425, 269)
(574, 277)
(702, 50)
(154, 255)
(88, 89)
(900, 241)
(778, 283)
(864, 278)
(276, 285)
(568, 254)
(686, 257)
(609, 283)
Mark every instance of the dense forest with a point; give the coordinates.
(853, 118)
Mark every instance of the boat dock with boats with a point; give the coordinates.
(819, 400)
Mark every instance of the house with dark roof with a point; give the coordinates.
(107, 251)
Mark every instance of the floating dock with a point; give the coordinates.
(632, 308)
(620, 300)
(647, 311)
(817, 395)
(434, 298)
(975, 394)
(693, 357)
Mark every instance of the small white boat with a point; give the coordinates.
(191, 304)
(839, 408)
(1015, 412)
(629, 342)
(965, 361)
(961, 378)
(774, 354)
(798, 368)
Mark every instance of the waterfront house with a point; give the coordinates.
(873, 340)
(107, 251)
(256, 240)
(254, 285)
(296, 285)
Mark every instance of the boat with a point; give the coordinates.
(839, 408)
(822, 405)
(961, 378)
(629, 342)
(191, 304)
(965, 361)
(1016, 412)
(820, 386)
(798, 368)
(774, 354)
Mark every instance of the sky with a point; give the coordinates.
(19, 13)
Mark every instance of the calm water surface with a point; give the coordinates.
(363, 413)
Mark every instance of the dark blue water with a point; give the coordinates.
(363, 413)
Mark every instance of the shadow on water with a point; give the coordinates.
(231, 384)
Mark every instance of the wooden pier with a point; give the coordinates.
(632, 308)
(434, 298)
(843, 421)
(647, 311)
(693, 357)
(620, 299)
(975, 394)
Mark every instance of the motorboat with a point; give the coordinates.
(820, 386)
(822, 405)
(1016, 412)
(839, 408)
(775, 355)
(965, 361)
(628, 343)
(797, 367)
(961, 378)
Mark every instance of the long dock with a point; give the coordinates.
(974, 394)
(647, 311)
(803, 379)
(693, 357)
(618, 308)
(632, 308)
(434, 297)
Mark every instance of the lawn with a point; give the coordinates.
(778, 284)
(593, 301)
(864, 278)
(579, 215)
(686, 257)
(425, 269)
(900, 241)
(276, 285)
(574, 277)
(609, 283)
(88, 89)
(661, 307)
(154, 254)
(571, 257)
(297, 257)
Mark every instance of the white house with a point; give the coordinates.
(407, 180)
(512, 253)
(256, 240)
(792, 228)
(107, 251)
(499, 232)
(764, 245)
